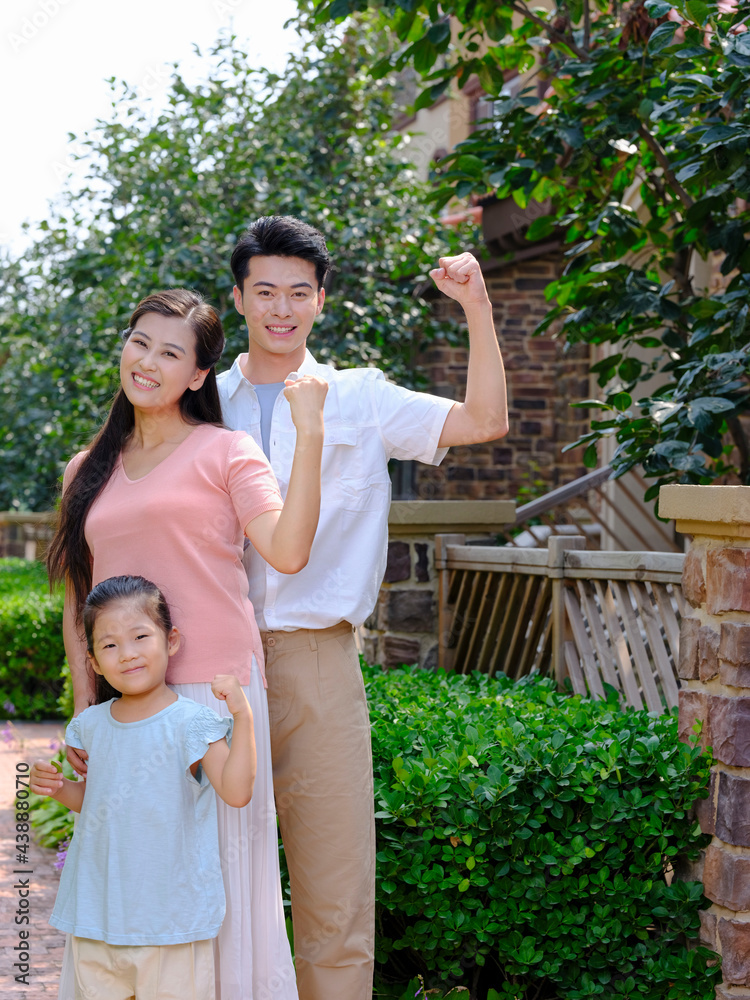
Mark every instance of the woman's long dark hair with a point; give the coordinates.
(68, 556)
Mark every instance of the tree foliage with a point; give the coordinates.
(165, 198)
(633, 124)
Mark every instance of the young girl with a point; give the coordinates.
(142, 891)
(166, 492)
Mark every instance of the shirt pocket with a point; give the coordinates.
(353, 476)
(345, 434)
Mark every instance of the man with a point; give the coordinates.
(320, 734)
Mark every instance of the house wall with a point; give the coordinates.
(542, 381)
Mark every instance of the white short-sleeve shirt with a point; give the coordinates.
(368, 421)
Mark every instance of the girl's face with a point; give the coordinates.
(158, 365)
(130, 650)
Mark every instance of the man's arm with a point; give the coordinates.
(484, 414)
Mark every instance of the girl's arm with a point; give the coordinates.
(80, 675)
(231, 770)
(47, 780)
(284, 538)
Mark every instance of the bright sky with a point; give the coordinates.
(56, 54)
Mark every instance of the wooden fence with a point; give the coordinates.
(25, 535)
(595, 617)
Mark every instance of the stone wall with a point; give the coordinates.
(715, 670)
(403, 626)
(542, 382)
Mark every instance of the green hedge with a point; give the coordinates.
(31, 642)
(523, 840)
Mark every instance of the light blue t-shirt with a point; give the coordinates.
(143, 866)
(267, 394)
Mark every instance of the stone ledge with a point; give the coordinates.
(723, 511)
(430, 517)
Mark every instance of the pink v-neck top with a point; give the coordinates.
(181, 526)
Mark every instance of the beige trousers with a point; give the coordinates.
(322, 771)
(146, 972)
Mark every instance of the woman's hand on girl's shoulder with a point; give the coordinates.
(76, 757)
(227, 688)
(77, 760)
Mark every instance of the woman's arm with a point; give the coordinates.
(47, 780)
(80, 675)
(231, 770)
(284, 538)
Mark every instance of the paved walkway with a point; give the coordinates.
(32, 740)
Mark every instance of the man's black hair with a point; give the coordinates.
(280, 236)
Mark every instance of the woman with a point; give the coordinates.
(165, 492)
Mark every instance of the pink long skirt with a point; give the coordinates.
(253, 958)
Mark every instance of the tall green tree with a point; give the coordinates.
(165, 198)
(634, 124)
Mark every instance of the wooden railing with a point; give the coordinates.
(585, 507)
(599, 618)
(25, 535)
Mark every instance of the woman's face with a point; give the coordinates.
(158, 363)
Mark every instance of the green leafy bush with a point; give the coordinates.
(21, 574)
(31, 642)
(525, 841)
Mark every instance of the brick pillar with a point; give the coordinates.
(714, 665)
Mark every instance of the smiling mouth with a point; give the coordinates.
(145, 383)
(280, 330)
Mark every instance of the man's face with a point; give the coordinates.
(279, 300)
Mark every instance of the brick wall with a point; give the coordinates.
(542, 381)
